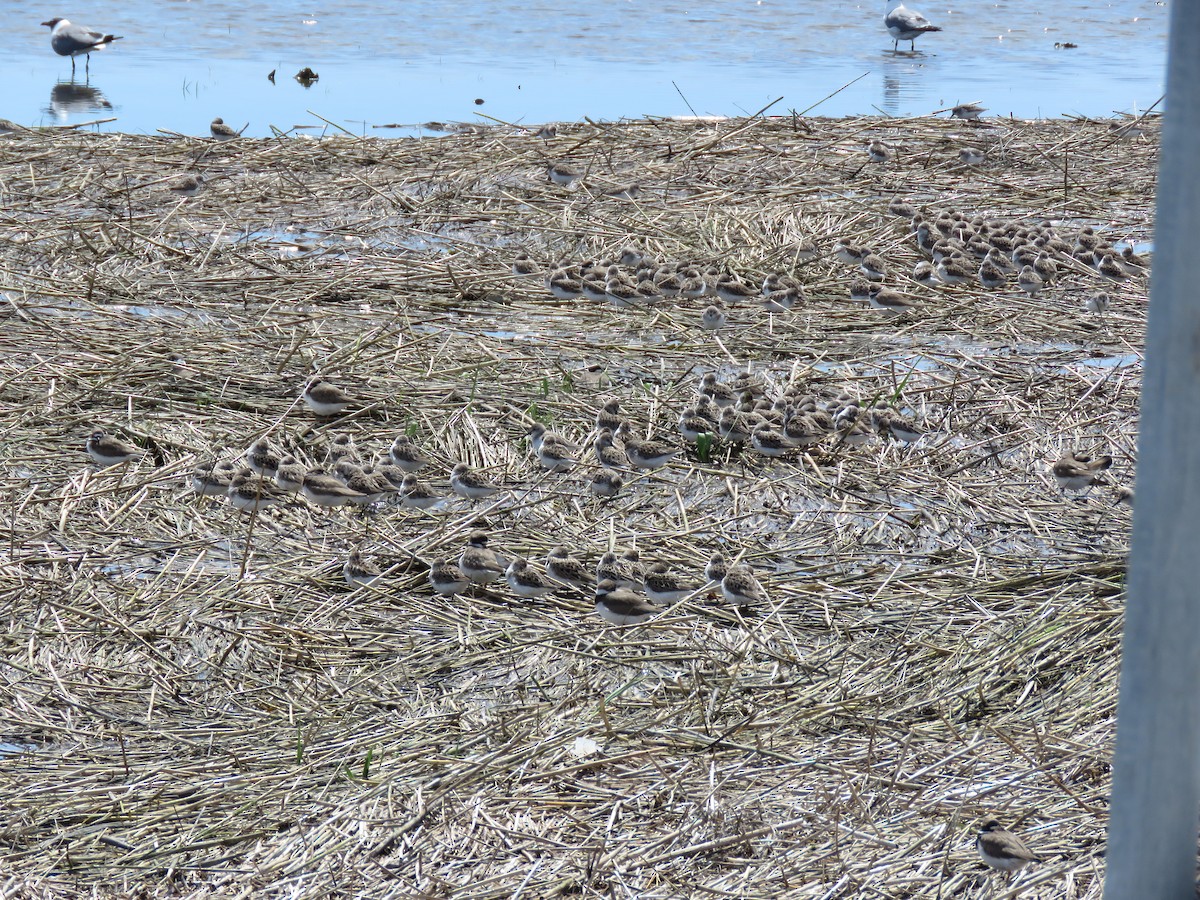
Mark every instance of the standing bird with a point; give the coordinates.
(905, 25)
(325, 399)
(1002, 850)
(107, 450)
(222, 132)
(71, 40)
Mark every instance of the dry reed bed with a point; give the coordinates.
(203, 706)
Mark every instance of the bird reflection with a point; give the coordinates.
(69, 97)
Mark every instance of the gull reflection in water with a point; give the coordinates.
(68, 97)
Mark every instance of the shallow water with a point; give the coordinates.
(181, 63)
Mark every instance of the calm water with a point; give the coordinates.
(181, 63)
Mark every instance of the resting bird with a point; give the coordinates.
(70, 40)
(905, 25)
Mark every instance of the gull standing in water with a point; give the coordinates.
(70, 40)
(905, 25)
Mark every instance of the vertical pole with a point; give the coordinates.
(1156, 767)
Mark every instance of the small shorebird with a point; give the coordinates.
(1002, 850)
(471, 483)
(563, 567)
(359, 571)
(222, 132)
(1076, 471)
(620, 606)
(289, 474)
(741, 588)
(1097, 303)
(187, 185)
(446, 578)
(561, 173)
(1030, 281)
(716, 568)
(968, 111)
(890, 301)
(553, 451)
(417, 494)
(67, 39)
(524, 267)
(407, 455)
(262, 459)
(606, 484)
(606, 452)
(618, 570)
(662, 587)
(325, 399)
(525, 581)
(107, 450)
(248, 492)
(322, 489)
(646, 454)
(878, 151)
(873, 267)
(713, 318)
(478, 562)
(971, 156)
(904, 24)
(212, 480)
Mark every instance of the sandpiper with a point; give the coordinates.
(662, 587)
(716, 568)
(553, 451)
(564, 286)
(769, 441)
(446, 578)
(606, 452)
(248, 492)
(222, 132)
(970, 156)
(262, 459)
(561, 173)
(609, 416)
(359, 571)
(212, 480)
(878, 151)
(620, 606)
(713, 318)
(617, 569)
(741, 588)
(1002, 850)
(524, 267)
(646, 454)
(733, 291)
(478, 562)
(606, 484)
(1111, 268)
(563, 567)
(712, 387)
(289, 474)
(990, 277)
(108, 450)
(968, 111)
(904, 24)
(1076, 471)
(1097, 303)
(890, 301)
(187, 185)
(525, 581)
(873, 267)
(416, 494)
(407, 455)
(325, 399)
(322, 489)
(1030, 281)
(471, 483)
(953, 270)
